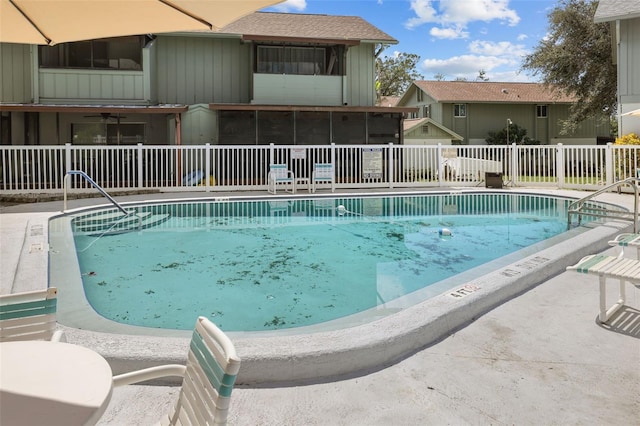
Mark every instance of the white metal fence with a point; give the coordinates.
(41, 169)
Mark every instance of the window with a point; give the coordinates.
(459, 110)
(419, 95)
(298, 60)
(426, 111)
(425, 129)
(107, 133)
(541, 111)
(123, 53)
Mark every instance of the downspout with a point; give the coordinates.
(617, 61)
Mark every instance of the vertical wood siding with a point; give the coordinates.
(203, 70)
(15, 73)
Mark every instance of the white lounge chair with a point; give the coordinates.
(208, 378)
(627, 240)
(323, 173)
(29, 315)
(279, 174)
(609, 267)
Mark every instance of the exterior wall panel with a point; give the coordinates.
(283, 89)
(15, 73)
(90, 86)
(203, 70)
(360, 79)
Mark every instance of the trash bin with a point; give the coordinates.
(493, 179)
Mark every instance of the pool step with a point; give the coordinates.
(116, 223)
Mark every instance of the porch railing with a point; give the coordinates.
(41, 169)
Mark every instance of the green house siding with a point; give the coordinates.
(360, 79)
(15, 73)
(192, 70)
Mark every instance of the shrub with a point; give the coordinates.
(627, 160)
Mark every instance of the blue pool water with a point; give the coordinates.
(264, 265)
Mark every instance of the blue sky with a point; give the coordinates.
(456, 38)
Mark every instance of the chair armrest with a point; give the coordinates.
(58, 336)
(149, 374)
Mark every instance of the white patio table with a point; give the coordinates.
(52, 383)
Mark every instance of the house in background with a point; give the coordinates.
(266, 78)
(473, 109)
(426, 131)
(624, 18)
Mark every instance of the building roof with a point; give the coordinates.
(491, 92)
(389, 101)
(411, 123)
(307, 27)
(611, 10)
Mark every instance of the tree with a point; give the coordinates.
(395, 74)
(482, 76)
(576, 57)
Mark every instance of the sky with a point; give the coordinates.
(453, 38)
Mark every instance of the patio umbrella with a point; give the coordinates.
(58, 21)
(635, 112)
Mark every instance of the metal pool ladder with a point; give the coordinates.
(95, 185)
(582, 207)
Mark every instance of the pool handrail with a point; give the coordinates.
(92, 182)
(577, 207)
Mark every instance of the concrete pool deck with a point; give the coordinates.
(538, 358)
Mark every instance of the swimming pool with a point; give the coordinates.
(269, 265)
(346, 345)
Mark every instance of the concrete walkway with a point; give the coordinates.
(540, 358)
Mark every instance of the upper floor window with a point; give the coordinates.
(419, 95)
(459, 110)
(426, 111)
(541, 111)
(124, 53)
(300, 60)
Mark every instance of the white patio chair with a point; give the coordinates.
(29, 315)
(279, 174)
(615, 267)
(323, 172)
(208, 378)
(627, 240)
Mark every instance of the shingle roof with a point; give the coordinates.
(494, 92)
(389, 101)
(610, 10)
(305, 26)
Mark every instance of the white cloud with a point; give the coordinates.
(522, 37)
(448, 33)
(462, 66)
(465, 11)
(497, 59)
(501, 48)
(457, 14)
(290, 5)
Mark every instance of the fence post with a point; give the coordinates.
(440, 164)
(207, 167)
(333, 166)
(271, 153)
(140, 174)
(560, 172)
(67, 158)
(390, 166)
(609, 164)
